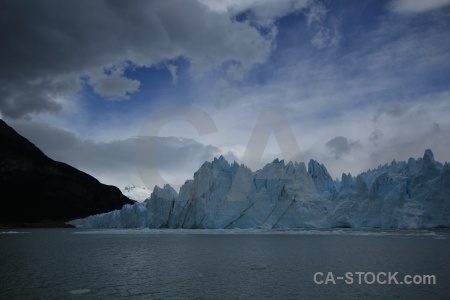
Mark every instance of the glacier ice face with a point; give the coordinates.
(322, 180)
(407, 195)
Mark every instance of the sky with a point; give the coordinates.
(143, 92)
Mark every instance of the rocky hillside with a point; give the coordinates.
(37, 189)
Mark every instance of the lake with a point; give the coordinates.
(222, 264)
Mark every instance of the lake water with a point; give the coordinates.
(207, 264)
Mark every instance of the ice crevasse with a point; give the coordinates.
(406, 195)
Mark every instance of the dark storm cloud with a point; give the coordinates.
(47, 45)
(340, 146)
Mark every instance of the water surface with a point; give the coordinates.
(205, 264)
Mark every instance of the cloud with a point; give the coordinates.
(394, 73)
(411, 133)
(326, 37)
(117, 162)
(376, 136)
(235, 72)
(263, 12)
(340, 146)
(412, 145)
(47, 46)
(224, 95)
(315, 13)
(389, 77)
(416, 6)
(436, 127)
(114, 86)
(19, 97)
(392, 111)
(173, 69)
(327, 34)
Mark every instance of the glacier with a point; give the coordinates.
(399, 195)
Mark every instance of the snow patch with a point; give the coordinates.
(137, 193)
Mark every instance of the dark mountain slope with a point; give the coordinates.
(34, 187)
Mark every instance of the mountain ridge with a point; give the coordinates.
(408, 195)
(38, 190)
